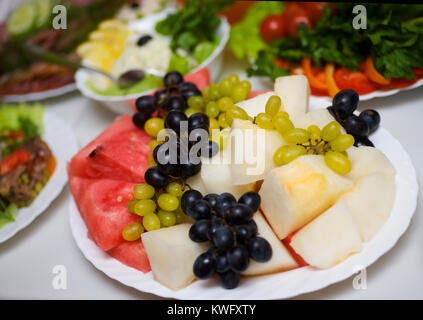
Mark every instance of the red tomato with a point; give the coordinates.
(14, 159)
(281, 63)
(397, 83)
(272, 27)
(347, 79)
(314, 10)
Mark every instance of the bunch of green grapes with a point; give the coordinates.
(158, 208)
(328, 141)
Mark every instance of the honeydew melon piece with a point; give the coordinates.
(252, 150)
(172, 254)
(196, 183)
(256, 105)
(281, 258)
(368, 160)
(294, 92)
(294, 194)
(329, 239)
(370, 203)
(319, 117)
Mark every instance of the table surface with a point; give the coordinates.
(27, 260)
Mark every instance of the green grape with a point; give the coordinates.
(214, 93)
(180, 216)
(247, 86)
(225, 87)
(132, 231)
(273, 105)
(342, 142)
(239, 93)
(143, 191)
(153, 143)
(235, 113)
(196, 102)
(282, 123)
(234, 78)
(131, 204)
(212, 109)
(331, 131)
(175, 189)
(214, 125)
(338, 162)
(205, 92)
(151, 158)
(222, 120)
(153, 126)
(296, 135)
(314, 134)
(168, 202)
(286, 154)
(225, 103)
(144, 206)
(190, 111)
(264, 121)
(151, 222)
(167, 219)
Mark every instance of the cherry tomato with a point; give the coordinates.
(272, 27)
(295, 15)
(347, 79)
(314, 10)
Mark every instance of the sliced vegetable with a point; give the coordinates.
(332, 86)
(14, 159)
(373, 74)
(22, 21)
(347, 79)
(313, 81)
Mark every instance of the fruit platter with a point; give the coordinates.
(221, 192)
(32, 164)
(310, 38)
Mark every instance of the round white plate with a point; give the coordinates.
(62, 142)
(279, 285)
(35, 96)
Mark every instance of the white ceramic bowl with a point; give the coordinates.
(122, 104)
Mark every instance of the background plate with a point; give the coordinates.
(284, 284)
(35, 96)
(62, 142)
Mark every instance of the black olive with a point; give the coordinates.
(144, 39)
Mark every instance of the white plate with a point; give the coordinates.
(285, 284)
(35, 96)
(62, 142)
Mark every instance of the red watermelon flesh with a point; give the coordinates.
(201, 78)
(121, 153)
(132, 254)
(103, 206)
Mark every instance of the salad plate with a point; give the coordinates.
(63, 144)
(36, 96)
(278, 285)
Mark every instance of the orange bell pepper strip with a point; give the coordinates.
(371, 73)
(14, 159)
(332, 86)
(313, 81)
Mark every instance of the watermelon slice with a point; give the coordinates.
(201, 78)
(120, 153)
(132, 254)
(103, 206)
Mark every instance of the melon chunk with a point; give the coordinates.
(294, 92)
(329, 239)
(172, 254)
(368, 160)
(370, 203)
(196, 183)
(281, 259)
(294, 194)
(252, 150)
(320, 118)
(256, 105)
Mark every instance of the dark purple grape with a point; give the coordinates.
(215, 223)
(225, 201)
(213, 251)
(356, 126)
(139, 119)
(212, 198)
(243, 234)
(175, 102)
(224, 238)
(252, 226)
(335, 114)
(372, 118)
(190, 169)
(143, 40)
(198, 121)
(363, 142)
(259, 249)
(188, 198)
(199, 231)
(204, 266)
(222, 263)
(154, 177)
(173, 120)
(146, 104)
(160, 95)
(239, 214)
(239, 258)
(251, 199)
(211, 149)
(190, 93)
(229, 279)
(200, 209)
(345, 102)
(172, 79)
(186, 85)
